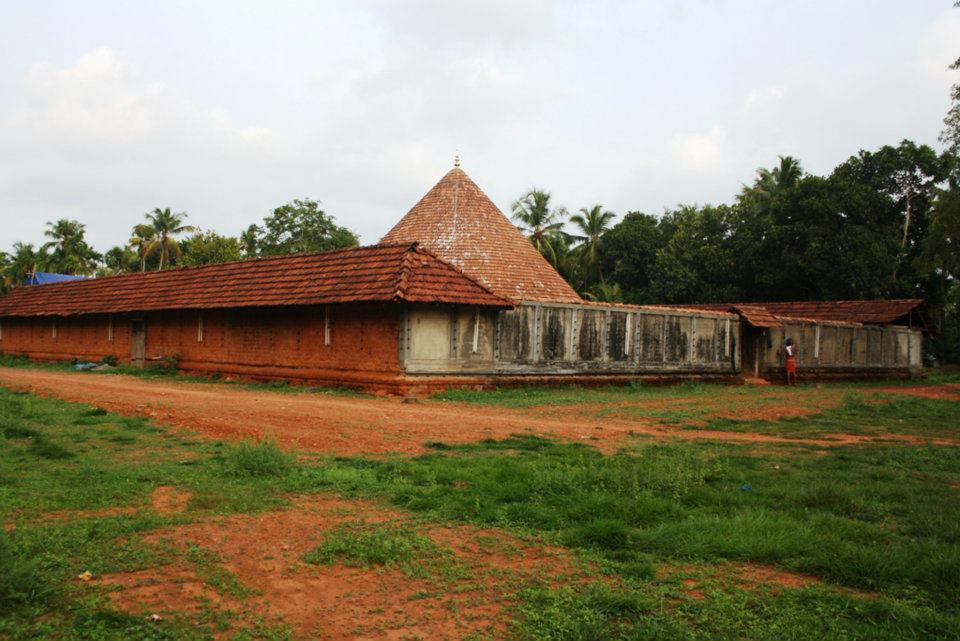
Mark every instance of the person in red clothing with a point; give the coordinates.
(791, 362)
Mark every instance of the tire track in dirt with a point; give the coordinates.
(345, 426)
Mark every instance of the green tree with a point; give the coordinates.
(4, 265)
(940, 263)
(68, 250)
(951, 123)
(205, 248)
(299, 226)
(697, 263)
(827, 238)
(248, 241)
(567, 262)
(591, 224)
(627, 254)
(120, 260)
(23, 263)
(908, 175)
(539, 222)
(140, 241)
(771, 182)
(605, 293)
(166, 224)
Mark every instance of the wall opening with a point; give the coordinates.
(326, 325)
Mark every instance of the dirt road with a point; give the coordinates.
(345, 425)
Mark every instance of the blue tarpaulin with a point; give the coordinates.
(43, 278)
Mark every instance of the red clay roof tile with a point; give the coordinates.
(461, 224)
(848, 311)
(398, 272)
(757, 316)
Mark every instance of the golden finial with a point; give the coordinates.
(456, 160)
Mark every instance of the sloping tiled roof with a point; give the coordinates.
(848, 311)
(461, 224)
(757, 316)
(402, 273)
(856, 311)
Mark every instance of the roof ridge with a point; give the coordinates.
(211, 266)
(403, 277)
(385, 274)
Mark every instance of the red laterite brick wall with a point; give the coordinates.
(269, 343)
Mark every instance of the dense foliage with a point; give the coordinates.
(158, 243)
(882, 224)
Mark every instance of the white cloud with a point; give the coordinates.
(93, 141)
(766, 95)
(531, 92)
(700, 152)
(458, 23)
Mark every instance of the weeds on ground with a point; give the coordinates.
(362, 545)
(869, 415)
(262, 458)
(40, 557)
(877, 518)
(568, 395)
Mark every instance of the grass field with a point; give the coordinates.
(662, 540)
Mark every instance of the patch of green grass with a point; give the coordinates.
(44, 448)
(873, 415)
(210, 569)
(262, 458)
(20, 580)
(18, 431)
(568, 395)
(650, 612)
(40, 558)
(364, 545)
(878, 518)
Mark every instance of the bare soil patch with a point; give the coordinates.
(950, 392)
(345, 426)
(745, 576)
(264, 553)
(167, 499)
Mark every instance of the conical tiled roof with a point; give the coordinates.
(459, 223)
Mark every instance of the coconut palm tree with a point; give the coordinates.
(592, 223)
(143, 236)
(784, 176)
(788, 173)
(69, 251)
(542, 225)
(166, 224)
(4, 264)
(23, 263)
(605, 293)
(120, 260)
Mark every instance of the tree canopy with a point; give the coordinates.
(298, 226)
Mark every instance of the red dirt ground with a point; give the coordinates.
(950, 392)
(165, 499)
(337, 602)
(345, 425)
(745, 576)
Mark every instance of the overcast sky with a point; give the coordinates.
(228, 109)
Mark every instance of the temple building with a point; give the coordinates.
(453, 295)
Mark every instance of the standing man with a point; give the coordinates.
(791, 362)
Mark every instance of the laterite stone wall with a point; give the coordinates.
(269, 343)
